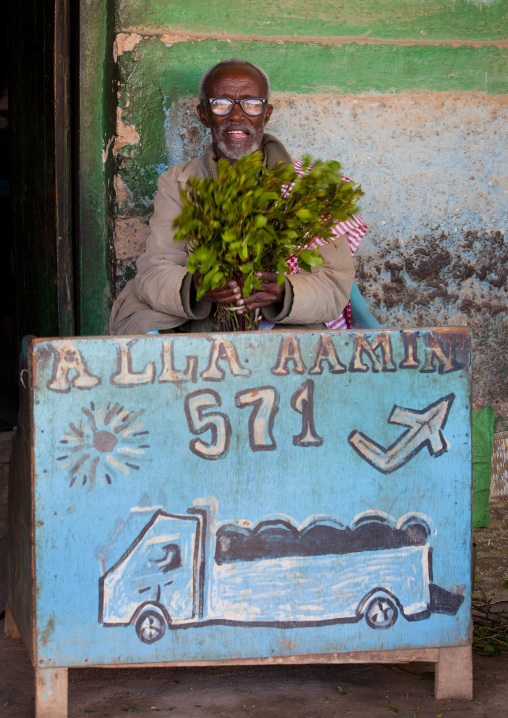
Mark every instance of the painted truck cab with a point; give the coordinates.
(157, 573)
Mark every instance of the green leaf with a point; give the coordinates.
(306, 267)
(217, 279)
(246, 268)
(260, 221)
(228, 236)
(341, 690)
(266, 196)
(312, 257)
(282, 268)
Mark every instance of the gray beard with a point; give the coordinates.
(237, 154)
(256, 140)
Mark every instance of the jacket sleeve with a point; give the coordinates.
(160, 281)
(322, 295)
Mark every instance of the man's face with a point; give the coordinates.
(236, 134)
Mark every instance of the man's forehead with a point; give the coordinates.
(235, 75)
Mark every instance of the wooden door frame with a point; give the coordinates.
(96, 108)
(63, 98)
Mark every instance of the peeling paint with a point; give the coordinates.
(105, 152)
(47, 633)
(436, 279)
(125, 42)
(169, 40)
(130, 237)
(122, 196)
(125, 134)
(125, 270)
(172, 38)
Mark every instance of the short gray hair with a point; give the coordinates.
(232, 61)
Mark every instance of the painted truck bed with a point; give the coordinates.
(315, 589)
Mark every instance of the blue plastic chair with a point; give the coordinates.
(361, 316)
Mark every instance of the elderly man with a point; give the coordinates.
(233, 105)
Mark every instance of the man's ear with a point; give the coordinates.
(268, 112)
(202, 115)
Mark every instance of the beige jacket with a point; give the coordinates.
(161, 297)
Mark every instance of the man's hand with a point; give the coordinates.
(270, 292)
(227, 294)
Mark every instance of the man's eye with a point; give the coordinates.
(252, 106)
(221, 106)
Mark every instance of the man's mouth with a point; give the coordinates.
(236, 133)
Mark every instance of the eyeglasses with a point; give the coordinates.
(223, 106)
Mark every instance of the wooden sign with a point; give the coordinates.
(242, 496)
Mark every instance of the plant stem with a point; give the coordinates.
(241, 317)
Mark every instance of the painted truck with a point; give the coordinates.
(187, 570)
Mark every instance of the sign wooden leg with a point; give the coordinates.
(10, 628)
(51, 692)
(454, 673)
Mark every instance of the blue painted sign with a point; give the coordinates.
(278, 493)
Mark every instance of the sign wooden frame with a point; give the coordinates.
(291, 493)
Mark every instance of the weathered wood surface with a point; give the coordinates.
(454, 674)
(51, 692)
(259, 496)
(20, 517)
(404, 655)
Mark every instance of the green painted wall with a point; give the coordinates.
(381, 19)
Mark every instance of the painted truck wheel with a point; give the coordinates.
(150, 626)
(381, 612)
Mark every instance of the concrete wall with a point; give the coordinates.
(411, 97)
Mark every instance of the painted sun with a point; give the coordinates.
(108, 441)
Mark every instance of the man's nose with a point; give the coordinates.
(237, 113)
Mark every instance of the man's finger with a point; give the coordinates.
(225, 294)
(270, 277)
(261, 299)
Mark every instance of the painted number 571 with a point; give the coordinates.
(202, 416)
